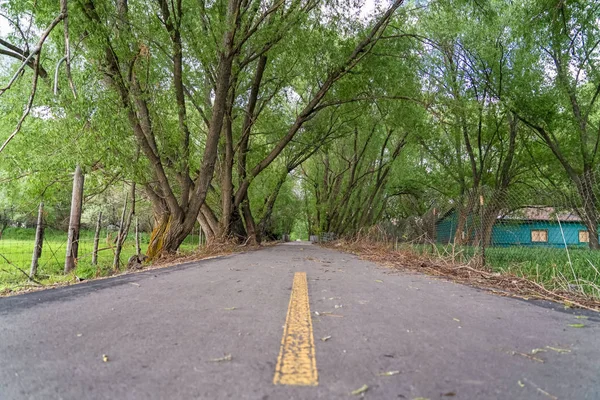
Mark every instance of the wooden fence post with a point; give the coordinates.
(39, 242)
(124, 228)
(119, 244)
(74, 221)
(138, 249)
(97, 239)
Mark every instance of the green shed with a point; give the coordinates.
(527, 226)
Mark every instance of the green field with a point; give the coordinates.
(553, 267)
(17, 246)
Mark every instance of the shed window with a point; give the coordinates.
(584, 237)
(539, 235)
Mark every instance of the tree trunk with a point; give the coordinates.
(39, 242)
(74, 221)
(211, 218)
(236, 227)
(97, 239)
(205, 227)
(585, 186)
(138, 249)
(489, 216)
(167, 235)
(120, 239)
(266, 218)
(124, 228)
(461, 236)
(253, 234)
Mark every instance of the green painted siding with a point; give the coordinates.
(517, 233)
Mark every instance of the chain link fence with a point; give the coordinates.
(550, 234)
(96, 251)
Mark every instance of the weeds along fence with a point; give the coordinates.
(550, 236)
(33, 245)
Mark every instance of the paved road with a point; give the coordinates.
(161, 328)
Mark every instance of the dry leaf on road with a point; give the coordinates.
(227, 357)
(360, 390)
(389, 373)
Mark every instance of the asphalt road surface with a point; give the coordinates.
(163, 332)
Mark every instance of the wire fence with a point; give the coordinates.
(18, 245)
(548, 235)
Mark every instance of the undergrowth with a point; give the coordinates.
(506, 270)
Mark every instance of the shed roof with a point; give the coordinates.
(530, 213)
(541, 213)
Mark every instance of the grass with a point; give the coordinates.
(552, 267)
(17, 246)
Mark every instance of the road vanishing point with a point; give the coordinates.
(292, 321)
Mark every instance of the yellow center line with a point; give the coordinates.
(296, 364)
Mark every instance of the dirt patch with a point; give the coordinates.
(504, 284)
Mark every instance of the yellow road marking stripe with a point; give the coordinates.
(296, 364)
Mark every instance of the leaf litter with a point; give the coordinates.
(503, 284)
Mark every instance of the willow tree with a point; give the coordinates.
(177, 77)
(539, 59)
(558, 95)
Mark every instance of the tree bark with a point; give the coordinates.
(138, 249)
(589, 211)
(124, 228)
(205, 227)
(120, 239)
(253, 234)
(39, 242)
(74, 221)
(97, 239)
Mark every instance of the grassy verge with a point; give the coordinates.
(17, 246)
(546, 273)
(554, 268)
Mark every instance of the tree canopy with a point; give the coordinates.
(249, 117)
